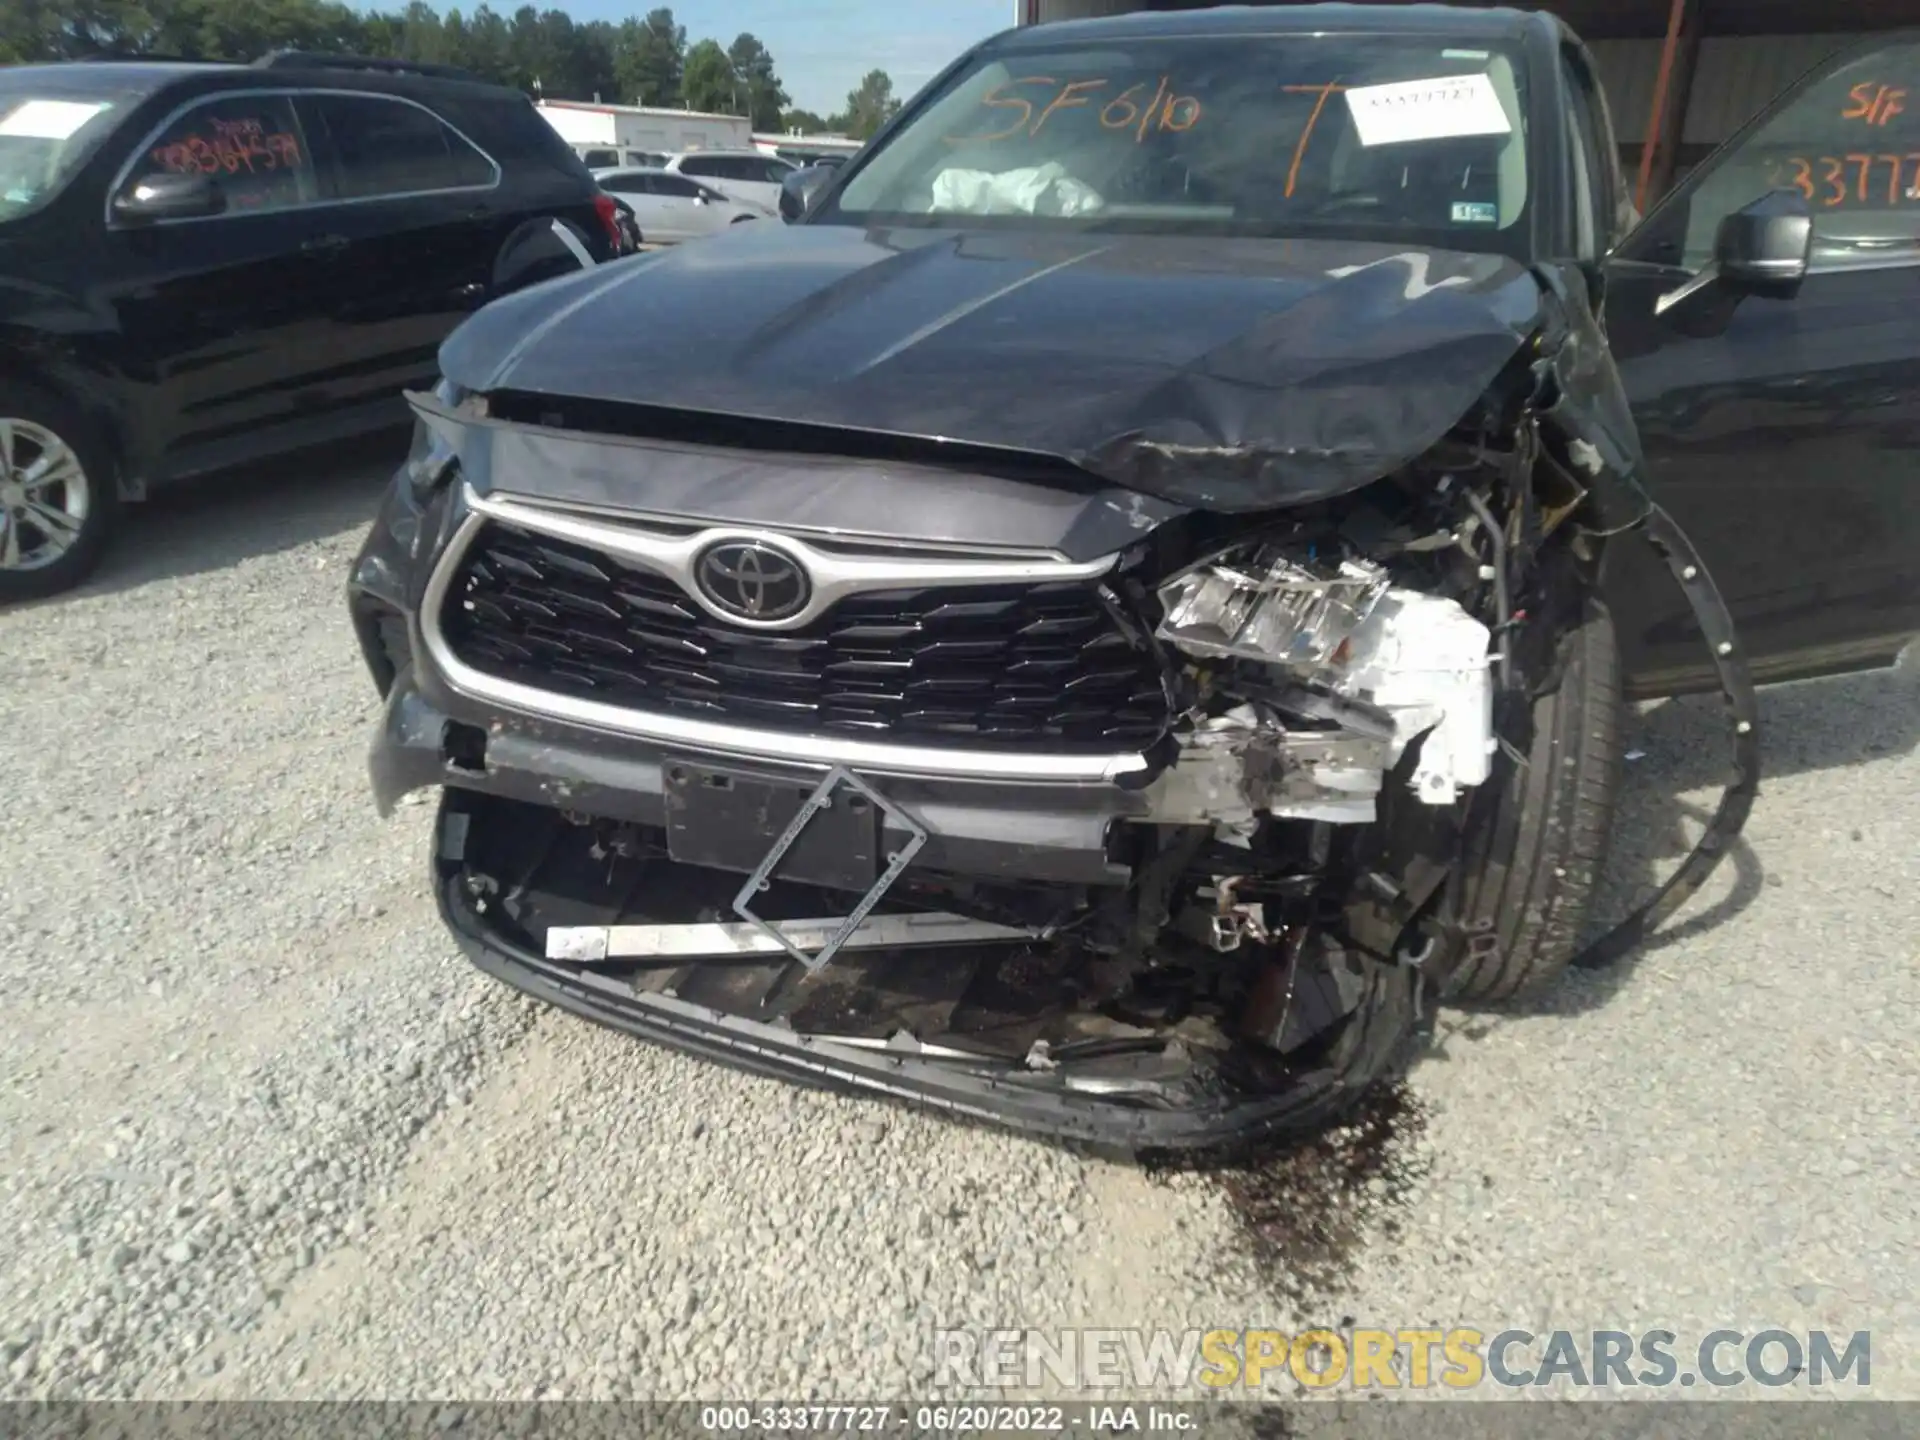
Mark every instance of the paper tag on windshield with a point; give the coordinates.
(1439, 109)
(49, 119)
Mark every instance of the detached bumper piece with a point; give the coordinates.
(807, 940)
(977, 1020)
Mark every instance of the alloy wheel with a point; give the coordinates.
(44, 496)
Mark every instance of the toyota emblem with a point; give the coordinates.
(751, 581)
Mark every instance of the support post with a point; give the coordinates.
(1657, 113)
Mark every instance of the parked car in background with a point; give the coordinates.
(606, 157)
(743, 174)
(670, 208)
(629, 227)
(801, 159)
(206, 265)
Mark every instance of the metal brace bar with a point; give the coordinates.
(822, 797)
(593, 944)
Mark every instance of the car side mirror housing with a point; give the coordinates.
(170, 197)
(1765, 248)
(800, 189)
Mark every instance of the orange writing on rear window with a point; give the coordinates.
(230, 147)
(1874, 103)
(1033, 100)
(1857, 178)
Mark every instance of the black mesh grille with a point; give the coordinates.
(1005, 667)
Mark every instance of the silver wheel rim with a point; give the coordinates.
(43, 496)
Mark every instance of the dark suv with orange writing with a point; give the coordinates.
(1125, 604)
(204, 266)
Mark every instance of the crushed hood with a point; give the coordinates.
(1229, 374)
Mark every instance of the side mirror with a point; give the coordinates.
(800, 189)
(1764, 248)
(701, 200)
(170, 197)
(1761, 249)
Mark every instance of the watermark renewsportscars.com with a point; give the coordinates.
(1434, 1360)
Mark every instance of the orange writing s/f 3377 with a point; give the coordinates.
(1874, 103)
(1832, 181)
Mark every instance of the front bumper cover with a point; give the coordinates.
(1219, 1123)
(432, 734)
(1049, 834)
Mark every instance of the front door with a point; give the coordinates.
(226, 321)
(1784, 435)
(695, 209)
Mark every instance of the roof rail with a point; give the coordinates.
(330, 60)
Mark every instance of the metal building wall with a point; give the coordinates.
(1629, 69)
(1737, 75)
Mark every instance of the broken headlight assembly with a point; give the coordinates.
(1348, 670)
(1265, 603)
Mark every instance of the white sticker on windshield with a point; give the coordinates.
(1439, 109)
(49, 119)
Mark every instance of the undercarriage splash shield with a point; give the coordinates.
(897, 862)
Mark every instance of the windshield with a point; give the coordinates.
(47, 131)
(1371, 136)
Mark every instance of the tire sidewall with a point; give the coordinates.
(1533, 863)
(66, 420)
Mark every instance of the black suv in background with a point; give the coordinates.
(206, 265)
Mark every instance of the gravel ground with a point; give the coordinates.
(268, 1135)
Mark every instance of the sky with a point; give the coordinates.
(821, 48)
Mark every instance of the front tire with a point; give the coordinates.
(59, 496)
(1535, 861)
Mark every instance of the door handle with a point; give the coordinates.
(479, 212)
(323, 245)
(467, 294)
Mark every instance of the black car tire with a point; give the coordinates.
(1526, 907)
(84, 438)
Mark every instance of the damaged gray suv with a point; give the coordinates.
(1104, 619)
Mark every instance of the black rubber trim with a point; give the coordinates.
(1227, 1122)
(1743, 727)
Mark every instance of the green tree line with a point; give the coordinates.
(643, 60)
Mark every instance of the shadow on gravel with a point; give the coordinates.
(1805, 727)
(214, 521)
(1679, 758)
